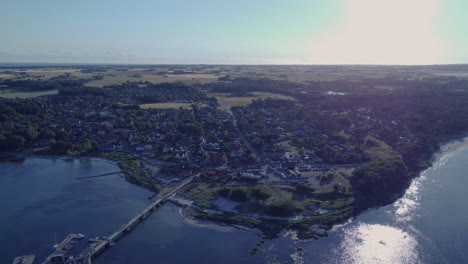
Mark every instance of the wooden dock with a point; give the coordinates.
(24, 259)
(58, 256)
(59, 248)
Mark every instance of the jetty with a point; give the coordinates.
(98, 246)
(130, 225)
(24, 259)
(97, 176)
(59, 255)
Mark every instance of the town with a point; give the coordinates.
(266, 153)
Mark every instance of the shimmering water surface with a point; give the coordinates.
(427, 225)
(41, 197)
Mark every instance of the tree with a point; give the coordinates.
(380, 179)
(85, 145)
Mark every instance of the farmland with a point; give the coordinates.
(7, 94)
(167, 106)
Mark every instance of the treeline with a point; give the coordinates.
(15, 134)
(17, 130)
(32, 85)
(145, 92)
(283, 208)
(244, 86)
(379, 181)
(84, 91)
(243, 194)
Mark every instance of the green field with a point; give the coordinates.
(273, 96)
(168, 106)
(26, 94)
(235, 100)
(229, 100)
(119, 78)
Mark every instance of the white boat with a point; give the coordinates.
(79, 236)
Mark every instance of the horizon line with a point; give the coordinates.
(2, 64)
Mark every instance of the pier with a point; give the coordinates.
(24, 259)
(97, 176)
(130, 225)
(100, 245)
(57, 255)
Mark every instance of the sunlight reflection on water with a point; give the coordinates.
(406, 206)
(377, 243)
(381, 243)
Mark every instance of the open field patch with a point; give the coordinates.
(110, 78)
(380, 151)
(387, 87)
(235, 101)
(168, 106)
(27, 94)
(273, 96)
(227, 99)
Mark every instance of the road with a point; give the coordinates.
(239, 132)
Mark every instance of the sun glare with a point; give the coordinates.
(383, 32)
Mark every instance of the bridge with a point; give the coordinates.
(87, 256)
(130, 225)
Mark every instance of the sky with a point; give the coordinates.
(234, 32)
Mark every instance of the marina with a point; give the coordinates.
(24, 259)
(65, 251)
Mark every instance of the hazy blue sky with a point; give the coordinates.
(235, 32)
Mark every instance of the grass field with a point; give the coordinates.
(27, 95)
(210, 73)
(235, 101)
(227, 99)
(168, 106)
(381, 152)
(273, 96)
(110, 78)
(388, 87)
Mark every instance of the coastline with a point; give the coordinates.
(63, 157)
(445, 150)
(448, 148)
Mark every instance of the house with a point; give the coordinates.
(249, 176)
(148, 147)
(181, 155)
(139, 148)
(167, 149)
(290, 165)
(216, 159)
(119, 147)
(237, 152)
(106, 147)
(185, 172)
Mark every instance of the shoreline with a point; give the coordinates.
(63, 157)
(445, 150)
(448, 148)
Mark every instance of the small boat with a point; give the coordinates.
(91, 240)
(79, 236)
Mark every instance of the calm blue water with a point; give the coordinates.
(41, 197)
